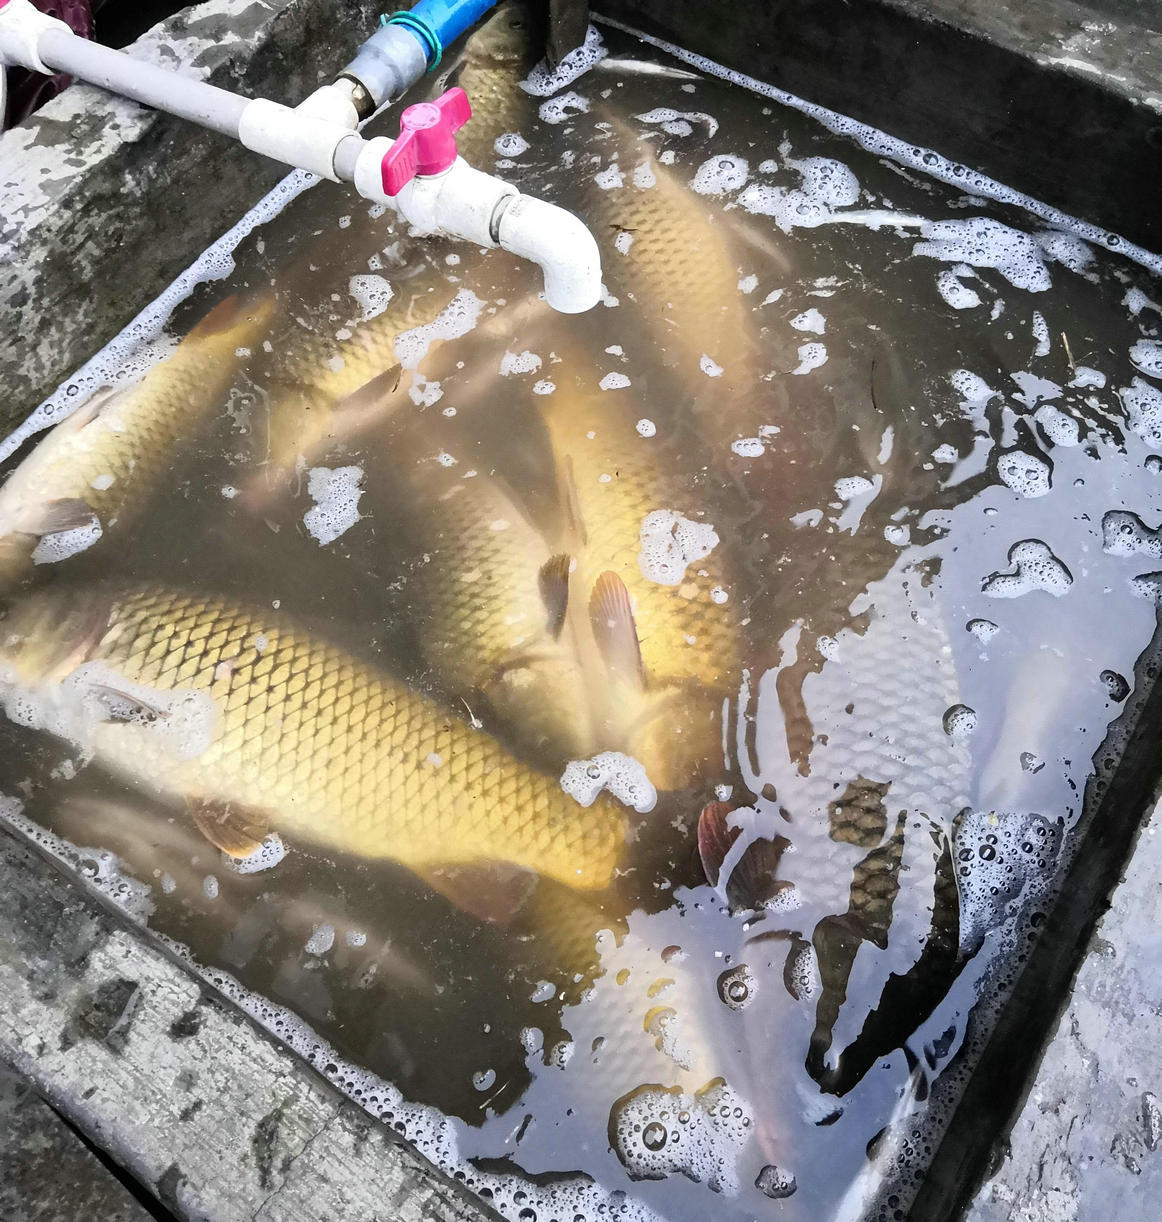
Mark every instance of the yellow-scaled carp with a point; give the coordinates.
(94, 466)
(259, 727)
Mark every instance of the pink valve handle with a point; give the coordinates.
(427, 141)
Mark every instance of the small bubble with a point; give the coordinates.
(775, 1183)
(654, 1135)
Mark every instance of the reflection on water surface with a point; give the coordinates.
(660, 725)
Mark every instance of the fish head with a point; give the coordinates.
(237, 321)
(505, 42)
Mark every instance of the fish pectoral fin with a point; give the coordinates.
(715, 837)
(491, 891)
(553, 581)
(69, 513)
(615, 630)
(125, 706)
(229, 826)
(753, 879)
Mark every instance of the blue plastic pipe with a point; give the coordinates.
(438, 23)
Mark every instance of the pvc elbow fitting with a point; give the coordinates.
(561, 245)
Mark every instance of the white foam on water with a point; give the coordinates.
(773, 295)
(456, 319)
(958, 295)
(1040, 334)
(925, 161)
(130, 354)
(544, 387)
(811, 356)
(268, 854)
(1036, 568)
(1026, 474)
(611, 178)
(974, 391)
(614, 381)
(720, 175)
(1146, 356)
(559, 109)
(670, 542)
(618, 774)
(1143, 404)
(519, 362)
(372, 292)
(748, 447)
(851, 486)
(983, 242)
(623, 241)
(1061, 429)
(1084, 377)
(321, 940)
(644, 177)
(336, 493)
(748, 284)
(646, 428)
(52, 548)
(658, 1131)
(182, 723)
(1136, 301)
(544, 81)
(810, 320)
(710, 367)
(678, 122)
(511, 144)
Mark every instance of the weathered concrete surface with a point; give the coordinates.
(178, 1086)
(1086, 1145)
(47, 1174)
(103, 202)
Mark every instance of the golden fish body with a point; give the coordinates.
(484, 624)
(684, 633)
(301, 737)
(680, 267)
(100, 461)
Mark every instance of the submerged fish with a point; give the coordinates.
(488, 594)
(100, 462)
(314, 386)
(646, 580)
(259, 727)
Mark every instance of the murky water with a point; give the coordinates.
(863, 456)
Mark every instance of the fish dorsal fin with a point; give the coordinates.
(570, 503)
(614, 629)
(553, 581)
(365, 405)
(229, 826)
(490, 891)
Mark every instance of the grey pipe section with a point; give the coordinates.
(133, 78)
(387, 65)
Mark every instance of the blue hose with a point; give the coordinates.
(436, 23)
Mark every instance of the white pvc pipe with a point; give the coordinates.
(62, 51)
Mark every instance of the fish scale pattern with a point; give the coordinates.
(336, 752)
